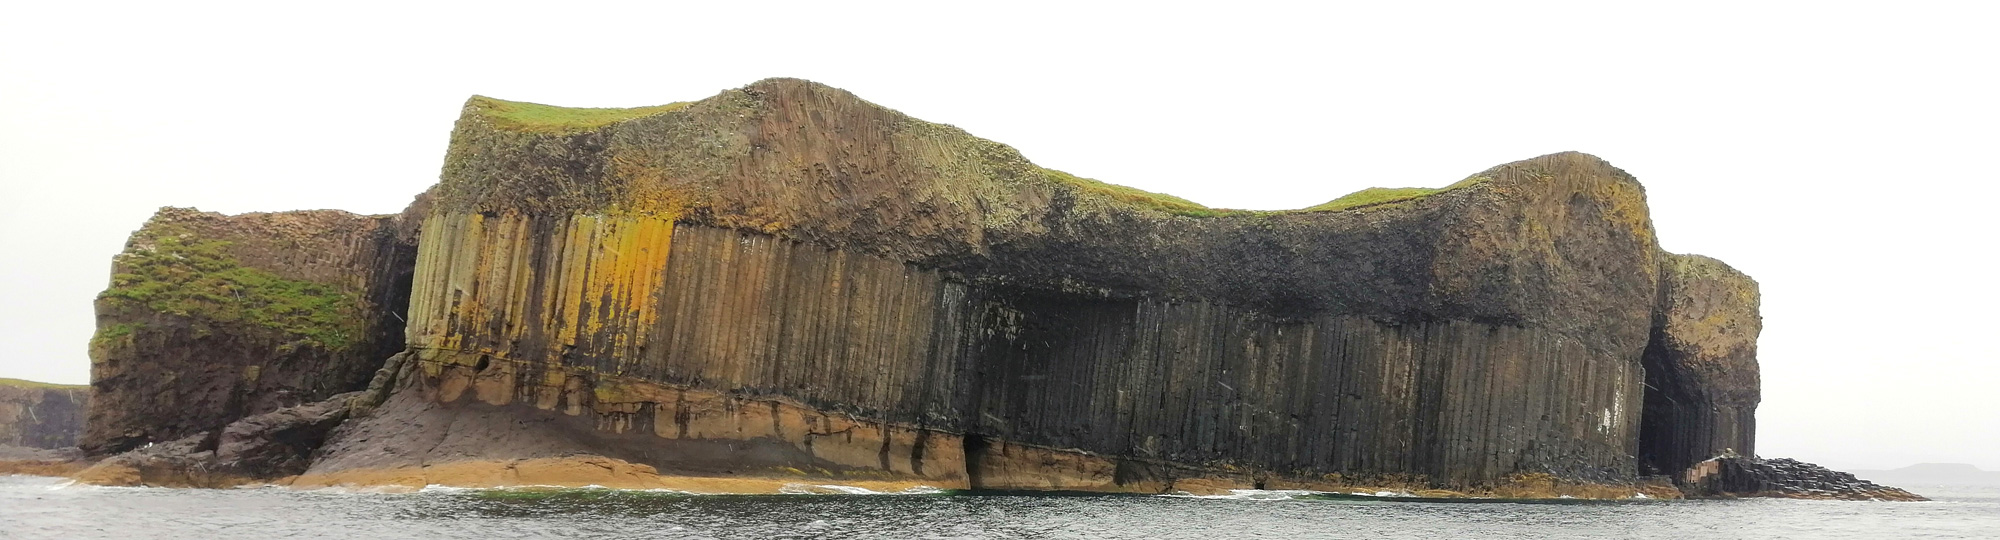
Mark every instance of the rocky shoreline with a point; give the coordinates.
(255, 458)
(1732, 476)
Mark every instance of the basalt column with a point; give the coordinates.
(1454, 403)
(699, 337)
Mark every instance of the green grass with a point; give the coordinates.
(1370, 197)
(1132, 195)
(19, 383)
(108, 335)
(1376, 196)
(185, 275)
(535, 117)
(1169, 203)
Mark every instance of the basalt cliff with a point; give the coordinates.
(787, 285)
(41, 415)
(39, 424)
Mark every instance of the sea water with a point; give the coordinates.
(38, 507)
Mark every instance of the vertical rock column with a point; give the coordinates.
(1457, 403)
(511, 296)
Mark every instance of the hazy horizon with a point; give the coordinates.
(1838, 155)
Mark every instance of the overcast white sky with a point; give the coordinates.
(1842, 155)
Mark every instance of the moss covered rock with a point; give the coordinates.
(209, 318)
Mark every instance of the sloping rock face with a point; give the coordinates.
(852, 289)
(41, 415)
(211, 318)
(1701, 366)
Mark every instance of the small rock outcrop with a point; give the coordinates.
(261, 447)
(41, 415)
(1737, 476)
(210, 318)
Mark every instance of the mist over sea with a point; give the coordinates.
(39, 507)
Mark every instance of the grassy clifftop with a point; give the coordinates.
(533, 119)
(1376, 196)
(538, 118)
(22, 383)
(173, 270)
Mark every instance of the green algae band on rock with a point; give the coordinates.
(785, 281)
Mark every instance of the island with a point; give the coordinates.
(784, 285)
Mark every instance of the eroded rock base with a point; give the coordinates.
(465, 426)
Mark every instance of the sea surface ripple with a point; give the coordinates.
(39, 507)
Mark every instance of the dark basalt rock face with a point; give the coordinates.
(41, 415)
(211, 318)
(1701, 366)
(1736, 476)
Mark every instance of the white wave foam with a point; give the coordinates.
(825, 489)
(1384, 494)
(1250, 495)
(65, 484)
(836, 489)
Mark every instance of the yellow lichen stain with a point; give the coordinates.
(596, 287)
